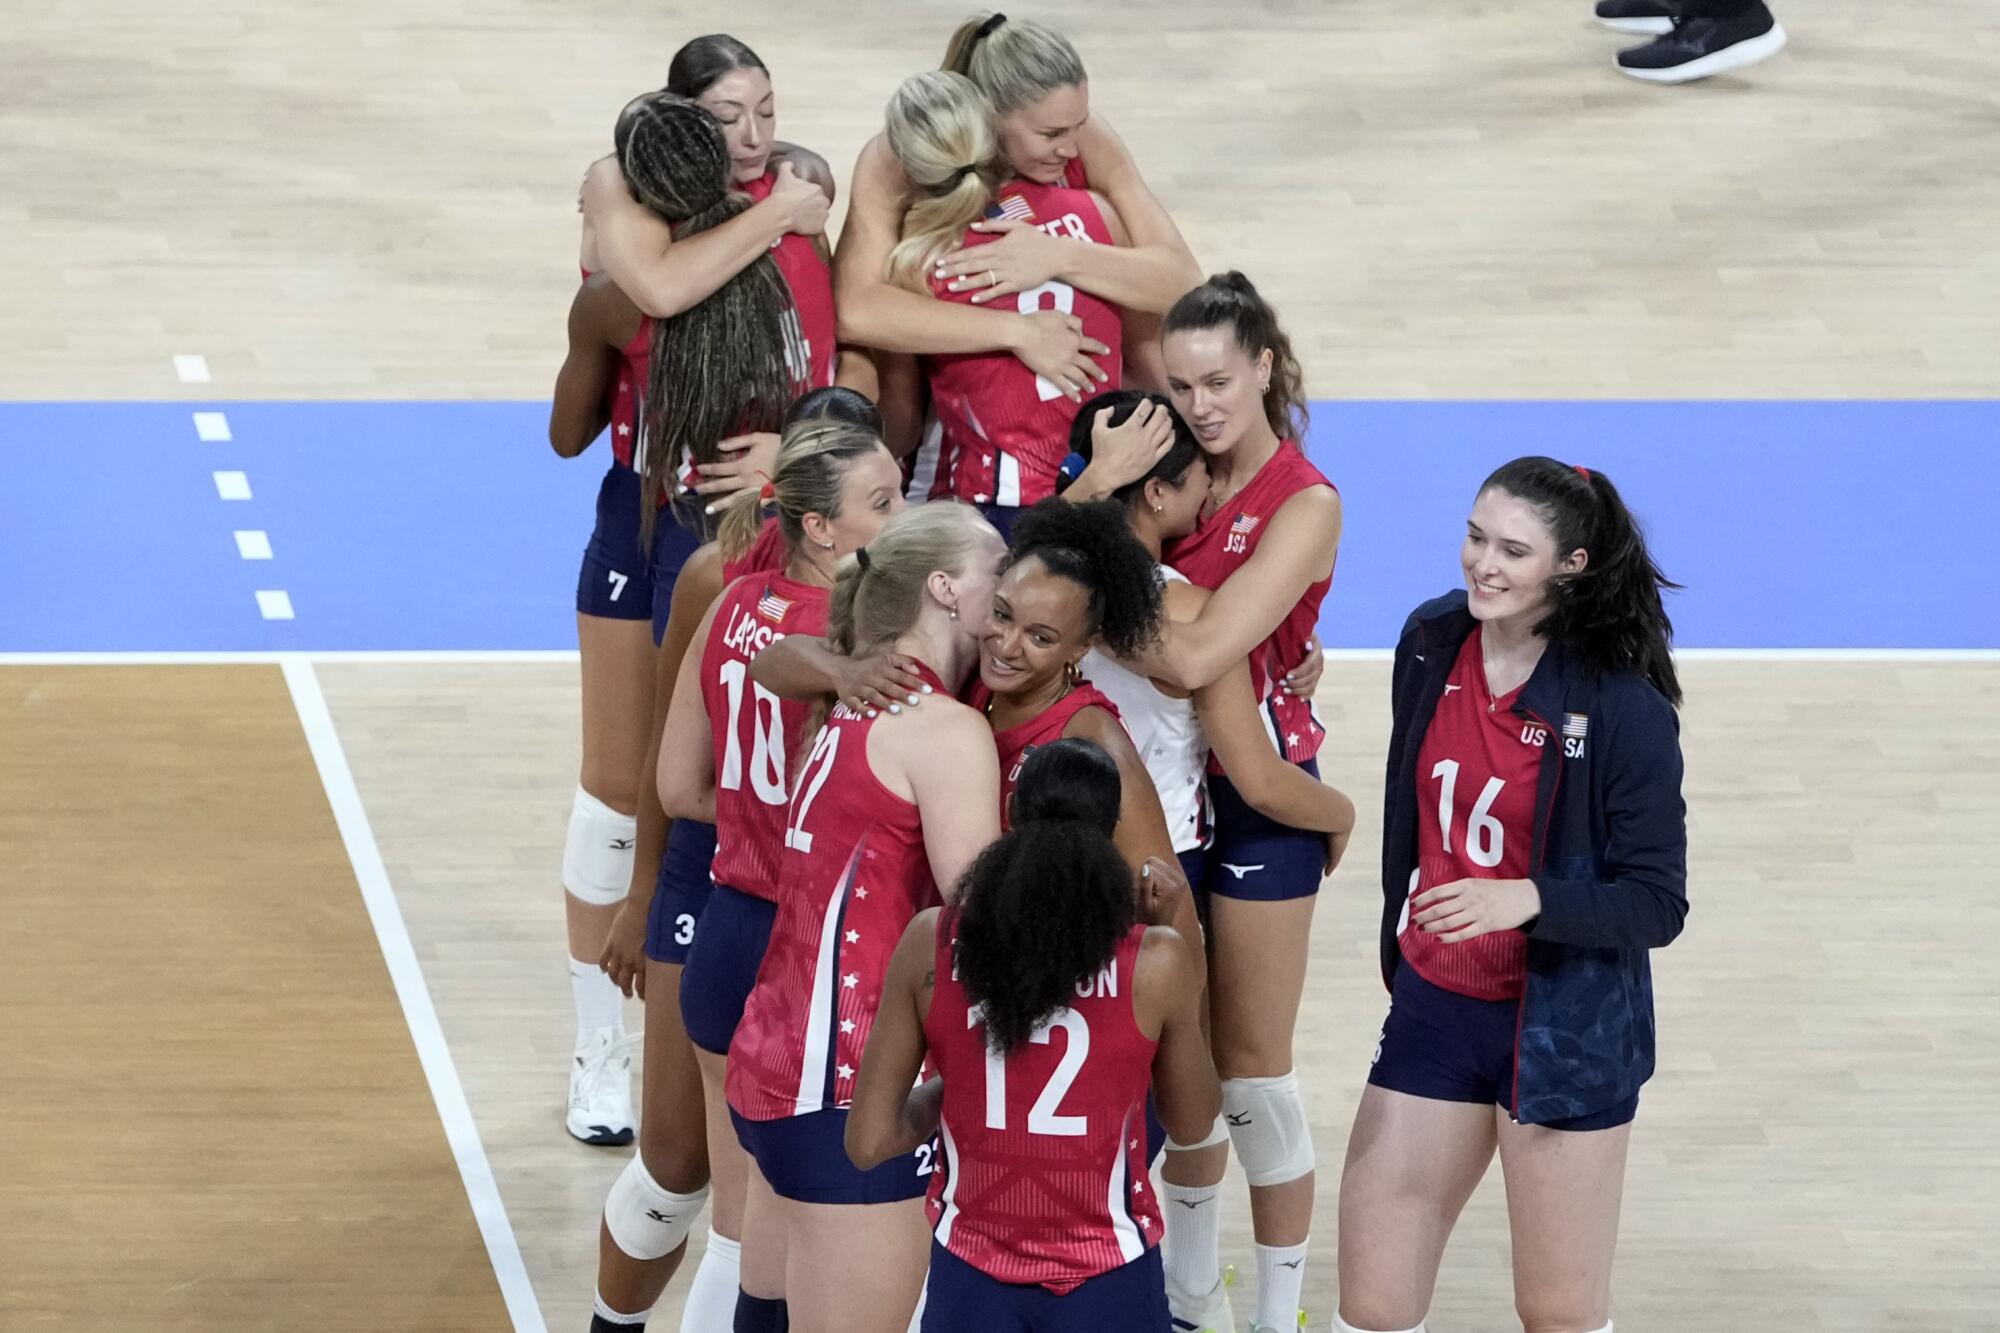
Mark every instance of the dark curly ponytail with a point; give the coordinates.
(1232, 299)
(1609, 615)
(1174, 463)
(1043, 909)
(1091, 546)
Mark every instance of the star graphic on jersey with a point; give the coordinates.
(860, 892)
(624, 429)
(1138, 1187)
(1146, 1222)
(1135, 1145)
(854, 937)
(846, 1027)
(851, 980)
(845, 1071)
(1292, 738)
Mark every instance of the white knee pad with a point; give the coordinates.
(1267, 1124)
(597, 857)
(645, 1221)
(1217, 1132)
(1342, 1326)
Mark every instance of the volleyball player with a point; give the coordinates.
(1002, 425)
(1534, 850)
(1035, 81)
(885, 809)
(655, 929)
(1048, 1008)
(1174, 731)
(674, 157)
(1266, 543)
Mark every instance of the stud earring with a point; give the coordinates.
(952, 612)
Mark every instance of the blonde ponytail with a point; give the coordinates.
(1013, 61)
(812, 466)
(941, 131)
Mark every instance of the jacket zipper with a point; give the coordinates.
(1521, 1009)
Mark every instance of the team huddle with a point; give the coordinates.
(949, 788)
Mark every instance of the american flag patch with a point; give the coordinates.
(1576, 726)
(1245, 524)
(1015, 207)
(773, 607)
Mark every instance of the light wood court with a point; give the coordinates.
(1814, 1154)
(214, 1117)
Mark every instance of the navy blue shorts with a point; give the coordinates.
(960, 1299)
(804, 1157)
(1452, 1048)
(681, 529)
(681, 891)
(1254, 856)
(722, 965)
(1002, 518)
(616, 581)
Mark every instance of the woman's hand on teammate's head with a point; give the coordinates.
(1024, 257)
(1304, 678)
(1162, 885)
(800, 202)
(624, 957)
(1121, 454)
(1466, 908)
(881, 681)
(1053, 345)
(748, 462)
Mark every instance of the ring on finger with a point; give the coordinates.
(992, 278)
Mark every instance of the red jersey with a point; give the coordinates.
(1218, 547)
(1022, 739)
(636, 365)
(755, 733)
(766, 555)
(1006, 429)
(1480, 761)
(854, 873)
(1042, 1174)
(810, 343)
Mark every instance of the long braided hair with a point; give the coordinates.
(719, 366)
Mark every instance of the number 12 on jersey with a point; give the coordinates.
(1042, 1116)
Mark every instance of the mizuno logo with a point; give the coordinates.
(1238, 1120)
(622, 844)
(1240, 871)
(1195, 1203)
(659, 1216)
(1293, 1264)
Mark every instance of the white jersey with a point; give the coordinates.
(1167, 735)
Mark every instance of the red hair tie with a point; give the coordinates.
(769, 489)
(1583, 472)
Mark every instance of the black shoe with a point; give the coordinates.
(1648, 18)
(1700, 47)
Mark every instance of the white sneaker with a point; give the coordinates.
(1209, 1313)
(600, 1088)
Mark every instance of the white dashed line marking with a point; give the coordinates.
(212, 427)
(232, 485)
(253, 544)
(274, 603)
(192, 368)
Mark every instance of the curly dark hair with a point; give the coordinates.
(1174, 463)
(1092, 546)
(1043, 909)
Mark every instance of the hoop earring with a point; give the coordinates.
(1073, 672)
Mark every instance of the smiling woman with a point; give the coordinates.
(1535, 849)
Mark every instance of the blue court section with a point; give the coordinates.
(452, 526)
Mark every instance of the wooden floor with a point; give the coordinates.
(213, 1116)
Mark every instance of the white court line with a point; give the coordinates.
(212, 427)
(192, 368)
(394, 936)
(505, 656)
(230, 485)
(274, 604)
(253, 543)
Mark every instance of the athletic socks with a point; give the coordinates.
(1191, 1248)
(1281, 1276)
(604, 1319)
(711, 1299)
(754, 1314)
(599, 1002)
